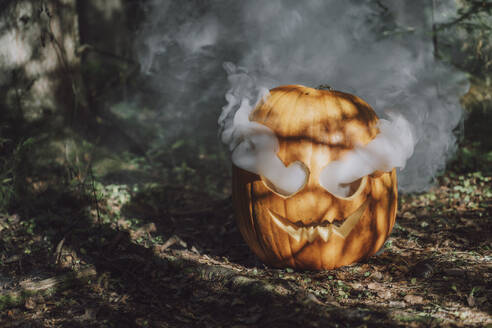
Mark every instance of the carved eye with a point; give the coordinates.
(289, 181)
(352, 189)
(344, 190)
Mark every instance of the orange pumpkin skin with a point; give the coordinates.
(315, 127)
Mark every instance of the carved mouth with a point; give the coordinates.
(323, 230)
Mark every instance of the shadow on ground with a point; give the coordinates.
(200, 273)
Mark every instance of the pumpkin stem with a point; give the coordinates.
(324, 87)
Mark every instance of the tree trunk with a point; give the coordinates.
(39, 66)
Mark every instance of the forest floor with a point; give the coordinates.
(169, 256)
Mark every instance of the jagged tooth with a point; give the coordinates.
(350, 222)
(338, 232)
(311, 234)
(305, 233)
(278, 223)
(294, 233)
(323, 232)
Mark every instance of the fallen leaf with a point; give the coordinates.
(471, 300)
(408, 215)
(454, 272)
(30, 303)
(89, 314)
(423, 269)
(481, 300)
(312, 298)
(385, 294)
(237, 301)
(414, 299)
(251, 319)
(397, 304)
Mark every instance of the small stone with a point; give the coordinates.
(377, 275)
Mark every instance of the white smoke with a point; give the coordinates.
(381, 51)
(254, 146)
(389, 149)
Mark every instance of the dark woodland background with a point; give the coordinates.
(134, 226)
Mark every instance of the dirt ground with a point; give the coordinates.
(171, 257)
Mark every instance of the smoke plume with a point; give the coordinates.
(198, 52)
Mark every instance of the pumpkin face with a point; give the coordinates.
(313, 228)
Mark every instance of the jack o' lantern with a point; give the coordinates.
(313, 228)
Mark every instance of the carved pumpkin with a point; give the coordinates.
(312, 228)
